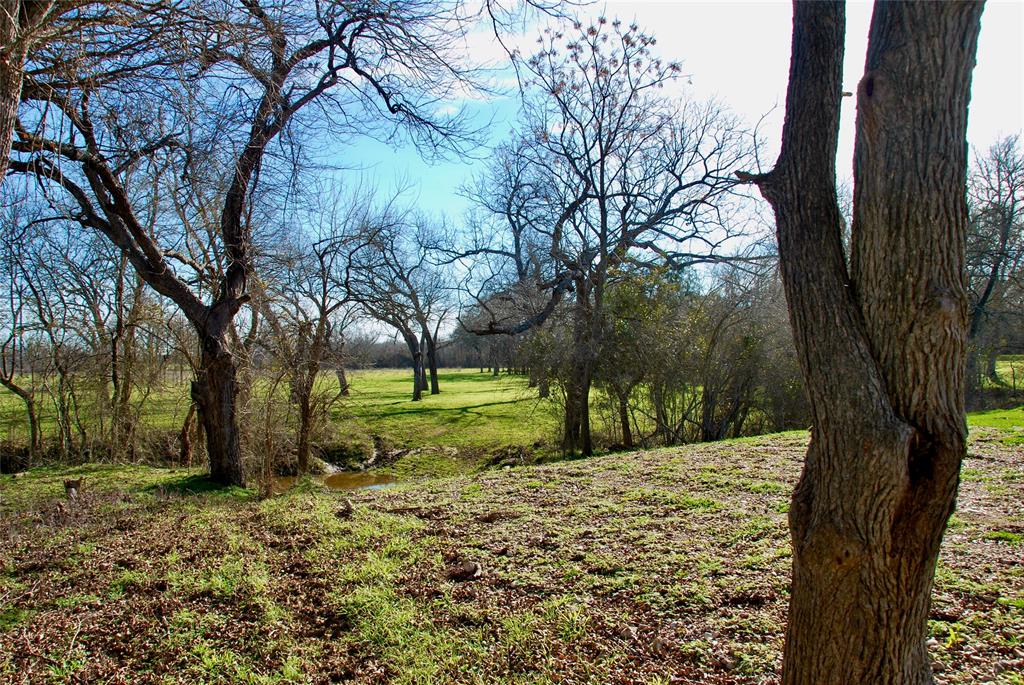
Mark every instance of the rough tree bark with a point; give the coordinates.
(214, 393)
(21, 25)
(881, 345)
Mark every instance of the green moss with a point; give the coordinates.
(11, 617)
(1005, 536)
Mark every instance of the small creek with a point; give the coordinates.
(342, 480)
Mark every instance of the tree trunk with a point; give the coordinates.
(343, 388)
(627, 432)
(305, 427)
(661, 426)
(972, 377)
(35, 436)
(990, 366)
(12, 62)
(418, 382)
(576, 430)
(185, 437)
(881, 347)
(21, 23)
(215, 393)
(709, 428)
(543, 386)
(431, 345)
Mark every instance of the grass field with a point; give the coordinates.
(669, 566)
(475, 413)
(1010, 369)
(474, 410)
(1008, 422)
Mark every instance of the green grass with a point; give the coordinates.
(1010, 369)
(475, 413)
(1009, 422)
(473, 410)
(670, 565)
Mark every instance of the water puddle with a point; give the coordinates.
(343, 480)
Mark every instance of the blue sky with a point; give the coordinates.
(735, 52)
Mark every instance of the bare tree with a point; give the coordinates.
(995, 253)
(392, 278)
(881, 338)
(308, 311)
(15, 324)
(216, 83)
(608, 172)
(23, 24)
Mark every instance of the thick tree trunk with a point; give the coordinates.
(990, 366)
(881, 347)
(418, 375)
(215, 393)
(21, 25)
(710, 430)
(12, 61)
(576, 429)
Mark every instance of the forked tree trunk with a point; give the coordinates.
(215, 393)
(882, 346)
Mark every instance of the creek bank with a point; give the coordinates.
(341, 480)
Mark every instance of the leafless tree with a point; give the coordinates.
(218, 84)
(15, 326)
(391, 276)
(608, 172)
(995, 254)
(308, 310)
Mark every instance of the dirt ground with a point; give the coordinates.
(667, 566)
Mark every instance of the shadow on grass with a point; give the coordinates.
(426, 409)
(198, 484)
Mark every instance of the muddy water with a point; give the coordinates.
(343, 480)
